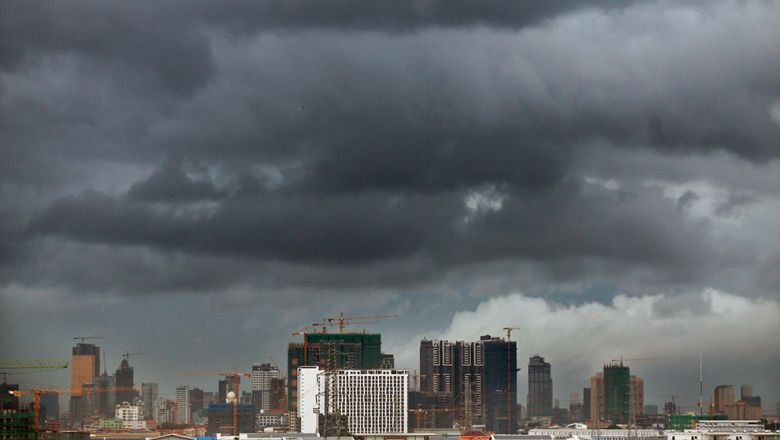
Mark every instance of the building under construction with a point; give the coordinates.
(332, 351)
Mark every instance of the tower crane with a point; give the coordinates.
(621, 360)
(127, 355)
(37, 392)
(342, 320)
(235, 374)
(425, 411)
(19, 364)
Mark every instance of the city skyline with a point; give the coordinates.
(196, 183)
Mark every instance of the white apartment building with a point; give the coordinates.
(262, 375)
(724, 430)
(374, 401)
(183, 404)
(311, 397)
(130, 415)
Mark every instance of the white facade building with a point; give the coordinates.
(183, 404)
(311, 397)
(374, 401)
(604, 434)
(724, 430)
(131, 415)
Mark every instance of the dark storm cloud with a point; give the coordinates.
(171, 183)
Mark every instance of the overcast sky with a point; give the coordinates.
(196, 180)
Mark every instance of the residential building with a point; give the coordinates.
(617, 393)
(311, 397)
(149, 394)
(500, 384)
(586, 404)
(130, 415)
(84, 366)
(388, 361)
(17, 425)
(197, 403)
(104, 403)
(596, 392)
(637, 398)
(262, 377)
(373, 401)
(540, 387)
(164, 413)
(182, 404)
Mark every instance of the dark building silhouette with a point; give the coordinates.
(8, 400)
(617, 393)
(500, 384)
(124, 378)
(540, 387)
(586, 403)
(196, 401)
(221, 418)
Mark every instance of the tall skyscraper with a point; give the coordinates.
(723, 397)
(637, 399)
(617, 393)
(597, 399)
(262, 376)
(500, 384)
(124, 378)
(182, 404)
(84, 366)
(540, 387)
(104, 403)
(586, 404)
(150, 395)
(197, 402)
(746, 391)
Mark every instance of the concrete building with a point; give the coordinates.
(637, 397)
(586, 404)
(597, 399)
(130, 415)
(220, 417)
(182, 404)
(617, 393)
(311, 398)
(262, 390)
(373, 401)
(723, 397)
(149, 394)
(332, 351)
(164, 411)
(540, 387)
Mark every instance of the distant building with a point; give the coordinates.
(220, 417)
(637, 396)
(130, 415)
(103, 403)
(311, 398)
(586, 404)
(84, 366)
(597, 399)
(8, 400)
(723, 398)
(17, 425)
(50, 407)
(125, 378)
(196, 402)
(373, 401)
(651, 410)
(164, 412)
(278, 393)
(149, 394)
(746, 391)
(388, 361)
(262, 377)
(182, 404)
(332, 351)
(540, 387)
(617, 393)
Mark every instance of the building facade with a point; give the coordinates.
(311, 398)
(373, 401)
(540, 387)
(262, 378)
(125, 378)
(149, 394)
(182, 404)
(723, 397)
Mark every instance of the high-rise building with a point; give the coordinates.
(745, 392)
(388, 361)
(221, 418)
(278, 393)
(723, 397)
(311, 398)
(262, 376)
(500, 384)
(124, 378)
(597, 415)
(150, 395)
(617, 393)
(182, 404)
(104, 403)
(540, 387)
(50, 407)
(331, 351)
(586, 404)
(373, 401)
(197, 402)
(637, 398)
(84, 366)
